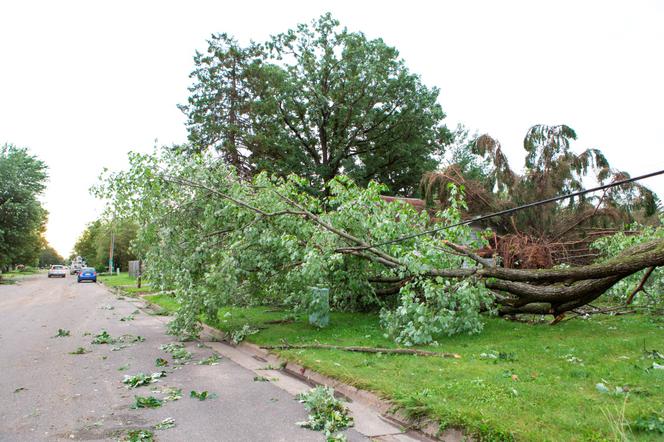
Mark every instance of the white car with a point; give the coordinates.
(57, 271)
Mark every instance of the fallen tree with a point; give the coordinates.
(535, 291)
(217, 240)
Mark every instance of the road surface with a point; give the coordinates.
(46, 393)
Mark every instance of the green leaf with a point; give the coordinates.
(103, 338)
(201, 396)
(146, 402)
(62, 333)
(165, 424)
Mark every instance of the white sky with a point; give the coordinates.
(82, 83)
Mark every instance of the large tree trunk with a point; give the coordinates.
(555, 291)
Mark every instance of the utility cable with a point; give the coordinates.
(512, 210)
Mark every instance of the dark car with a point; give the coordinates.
(87, 274)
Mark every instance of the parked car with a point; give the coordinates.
(87, 274)
(57, 271)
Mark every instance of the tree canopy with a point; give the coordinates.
(552, 169)
(22, 217)
(317, 101)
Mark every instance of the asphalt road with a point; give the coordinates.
(46, 393)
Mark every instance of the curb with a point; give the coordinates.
(424, 430)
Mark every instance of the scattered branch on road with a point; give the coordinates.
(62, 333)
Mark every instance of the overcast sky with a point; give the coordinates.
(82, 83)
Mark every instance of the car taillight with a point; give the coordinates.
(94, 273)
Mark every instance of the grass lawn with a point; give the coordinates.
(11, 276)
(126, 283)
(530, 382)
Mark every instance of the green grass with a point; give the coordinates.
(18, 274)
(542, 387)
(165, 301)
(125, 283)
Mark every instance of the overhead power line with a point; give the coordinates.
(514, 209)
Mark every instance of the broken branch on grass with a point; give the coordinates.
(400, 351)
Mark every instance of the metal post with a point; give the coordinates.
(140, 273)
(110, 253)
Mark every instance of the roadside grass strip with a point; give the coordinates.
(501, 386)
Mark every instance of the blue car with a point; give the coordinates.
(87, 274)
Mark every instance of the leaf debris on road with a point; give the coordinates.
(201, 396)
(177, 350)
(103, 338)
(138, 436)
(173, 394)
(264, 379)
(212, 360)
(79, 351)
(326, 413)
(62, 333)
(146, 402)
(167, 423)
(141, 379)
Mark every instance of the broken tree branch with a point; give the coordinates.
(400, 351)
(640, 286)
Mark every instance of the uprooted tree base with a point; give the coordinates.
(552, 291)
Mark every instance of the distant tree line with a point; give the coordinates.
(49, 256)
(95, 242)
